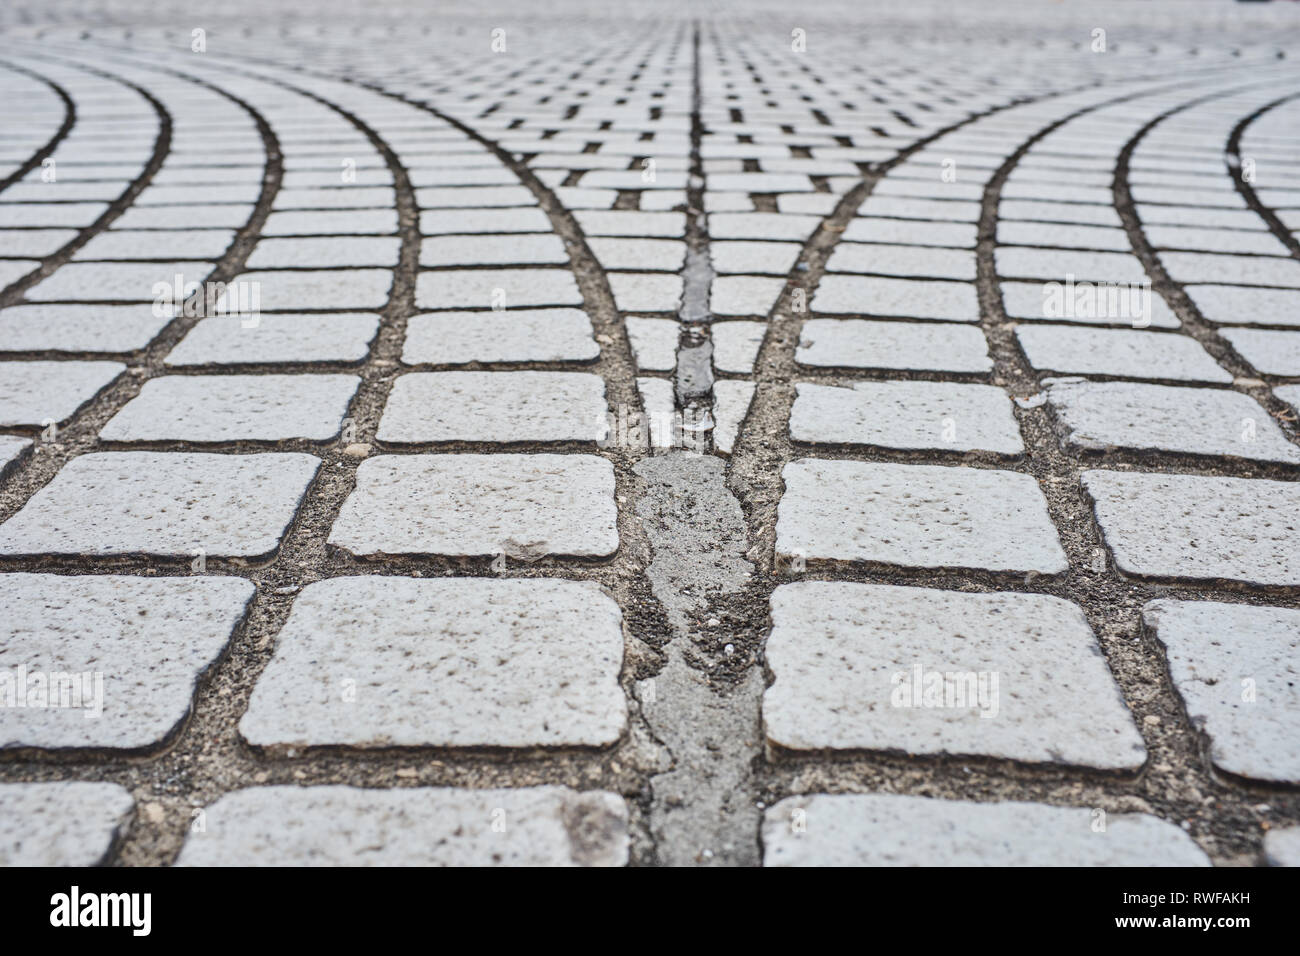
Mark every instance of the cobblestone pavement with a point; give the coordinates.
(674, 435)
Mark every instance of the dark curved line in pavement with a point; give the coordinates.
(1247, 190)
(69, 120)
(162, 145)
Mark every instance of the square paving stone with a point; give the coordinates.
(1199, 527)
(645, 291)
(1237, 669)
(911, 232)
(1282, 847)
(760, 258)
(204, 244)
(12, 448)
(1243, 305)
(441, 222)
(890, 260)
(1057, 264)
(128, 652)
(744, 295)
(495, 407)
(34, 393)
(324, 252)
(352, 826)
(907, 415)
(495, 288)
(114, 281)
(70, 823)
(168, 504)
(885, 829)
(736, 345)
(504, 250)
(856, 343)
(351, 222)
(324, 289)
(1099, 416)
(659, 255)
(654, 342)
(322, 337)
(1123, 353)
(920, 516)
(383, 661)
(475, 505)
(218, 408)
(1088, 305)
(902, 298)
(878, 667)
(514, 335)
(1271, 352)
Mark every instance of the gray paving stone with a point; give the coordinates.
(1199, 527)
(127, 651)
(1041, 211)
(855, 343)
(1099, 416)
(1061, 236)
(323, 337)
(1126, 353)
(441, 222)
(325, 289)
(1050, 302)
(893, 830)
(645, 291)
(12, 448)
(1289, 394)
(383, 661)
(526, 505)
(113, 281)
(736, 345)
(1271, 352)
(912, 232)
(1213, 240)
(761, 258)
(744, 295)
(654, 342)
(35, 393)
(201, 244)
(917, 670)
(221, 408)
(1236, 669)
(1206, 267)
(495, 288)
(507, 249)
(163, 503)
(891, 260)
(904, 298)
(730, 406)
(659, 255)
(615, 222)
(70, 823)
(34, 242)
(1282, 847)
(1057, 264)
(494, 407)
(351, 826)
(920, 516)
(351, 222)
(324, 252)
(1243, 305)
(515, 335)
(474, 197)
(907, 415)
(762, 225)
